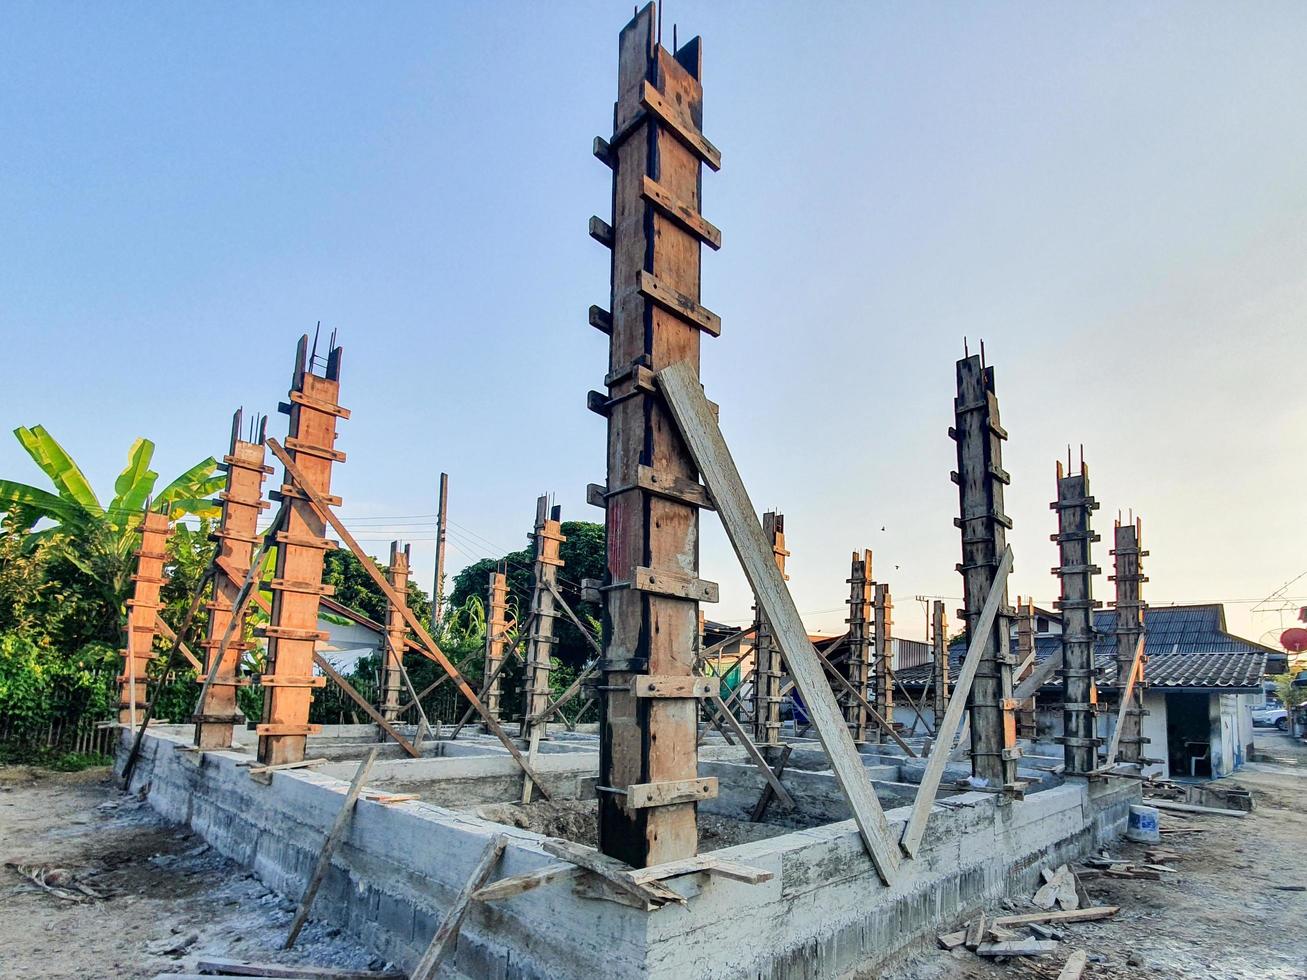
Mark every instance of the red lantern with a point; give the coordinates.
(1294, 640)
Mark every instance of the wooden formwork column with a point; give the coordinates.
(392, 671)
(939, 659)
(652, 495)
(1129, 578)
(858, 669)
(237, 537)
(548, 537)
(297, 587)
(768, 668)
(1074, 539)
(1025, 665)
(981, 478)
(496, 627)
(142, 608)
(883, 655)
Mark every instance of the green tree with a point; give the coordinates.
(88, 546)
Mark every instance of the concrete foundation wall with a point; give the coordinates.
(823, 914)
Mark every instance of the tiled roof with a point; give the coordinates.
(1186, 646)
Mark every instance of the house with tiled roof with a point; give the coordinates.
(1202, 681)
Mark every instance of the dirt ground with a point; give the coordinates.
(1220, 917)
(168, 898)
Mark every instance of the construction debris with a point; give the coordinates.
(62, 883)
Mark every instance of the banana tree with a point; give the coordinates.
(99, 539)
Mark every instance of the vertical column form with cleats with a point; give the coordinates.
(768, 668)
(1074, 540)
(496, 627)
(548, 537)
(1129, 578)
(142, 608)
(392, 673)
(297, 587)
(237, 537)
(648, 761)
(883, 655)
(939, 680)
(1025, 665)
(981, 478)
(858, 667)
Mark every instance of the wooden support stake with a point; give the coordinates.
(429, 646)
(759, 762)
(947, 728)
(329, 847)
(698, 427)
(325, 666)
(883, 724)
(446, 937)
(760, 808)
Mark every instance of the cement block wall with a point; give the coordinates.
(823, 913)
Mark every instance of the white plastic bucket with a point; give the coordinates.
(1141, 825)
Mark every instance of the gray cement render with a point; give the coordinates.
(822, 914)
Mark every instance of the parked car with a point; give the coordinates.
(1271, 715)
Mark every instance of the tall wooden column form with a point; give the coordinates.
(1129, 578)
(981, 478)
(1074, 539)
(939, 656)
(767, 666)
(858, 668)
(496, 627)
(142, 608)
(883, 655)
(297, 587)
(652, 495)
(1025, 665)
(392, 672)
(548, 536)
(237, 537)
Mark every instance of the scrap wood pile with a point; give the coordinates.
(211, 968)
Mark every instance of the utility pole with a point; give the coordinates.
(1074, 539)
(438, 588)
(767, 666)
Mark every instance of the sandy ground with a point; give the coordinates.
(1219, 917)
(169, 897)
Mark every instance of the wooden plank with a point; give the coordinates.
(1059, 915)
(429, 646)
(613, 871)
(976, 931)
(1036, 678)
(957, 706)
(675, 301)
(325, 666)
(239, 968)
(1192, 808)
(765, 797)
(678, 585)
(446, 937)
(168, 634)
(1019, 947)
(329, 847)
(702, 864)
(681, 126)
(528, 881)
(640, 795)
(1124, 695)
(680, 212)
(698, 427)
(673, 686)
(758, 761)
(1075, 965)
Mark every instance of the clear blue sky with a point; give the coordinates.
(1111, 195)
